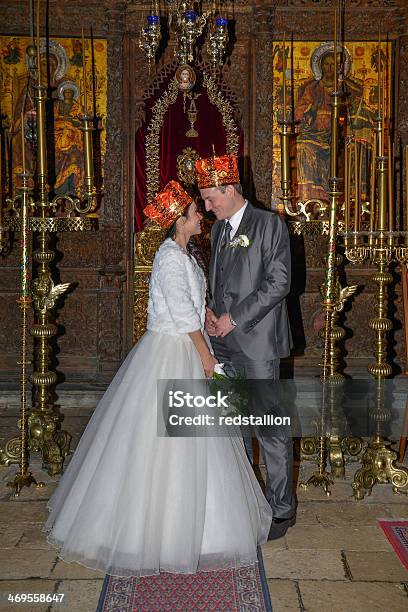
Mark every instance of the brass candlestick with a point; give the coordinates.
(44, 421)
(378, 462)
(330, 377)
(334, 297)
(17, 448)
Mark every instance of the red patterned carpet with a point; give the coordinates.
(397, 534)
(242, 590)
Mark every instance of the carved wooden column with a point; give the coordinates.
(262, 167)
(112, 275)
(115, 21)
(402, 123)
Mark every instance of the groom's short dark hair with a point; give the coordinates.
(237, 187)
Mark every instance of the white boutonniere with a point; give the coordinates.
(240, 241)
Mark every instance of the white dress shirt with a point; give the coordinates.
(236, 219)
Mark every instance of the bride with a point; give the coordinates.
(132, 503)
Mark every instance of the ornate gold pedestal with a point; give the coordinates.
(44, 421)
(146, 244)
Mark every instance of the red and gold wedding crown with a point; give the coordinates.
(168, 204)
(217, 171)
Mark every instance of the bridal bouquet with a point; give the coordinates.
(238, 397)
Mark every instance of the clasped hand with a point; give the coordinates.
(218, 326)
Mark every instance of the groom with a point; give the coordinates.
(246, 316)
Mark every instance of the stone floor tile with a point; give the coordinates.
(9, 536)
(340, 491)
(358, 537)
(350, 513)
(352, 597)
(79, 595)
(29, 493)
(19, 511)
(34, 538)
(306, 514)
(304, 565)
(377, 566)
(284, 595)
(279, 544)
(67, 571)
(399, 510)
(19, 563)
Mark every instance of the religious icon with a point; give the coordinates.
(68, 138)
(61, 62)
(313, 112)
(310, 72)
(185, 77)
(68, 94)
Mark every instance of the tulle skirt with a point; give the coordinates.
(132, 503)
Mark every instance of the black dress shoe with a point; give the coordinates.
(280, 526)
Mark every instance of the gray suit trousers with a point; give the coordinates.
(277, 448)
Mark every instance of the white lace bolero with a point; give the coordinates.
(176, 293)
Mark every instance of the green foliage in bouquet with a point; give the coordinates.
(236, 389)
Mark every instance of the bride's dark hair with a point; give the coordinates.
(193, 248)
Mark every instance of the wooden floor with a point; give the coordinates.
(335, 559)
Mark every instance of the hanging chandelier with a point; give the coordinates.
(187, 21)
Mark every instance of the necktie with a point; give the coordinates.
(227, 235)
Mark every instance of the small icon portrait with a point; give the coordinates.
(185, 77)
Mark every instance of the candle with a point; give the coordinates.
(383, 98)
(88, 155)
(2, 168)
(357, 187)
(23, 141)
(387, 102)
(38, 44)
(372, 183)
(406, 192)
(378, 72)
(335, 49)
(390, 185)
(346, 188)
(84, 73)
(93, 75)
(292, 80)
(32, 22)
(380, 100)
(284, 76)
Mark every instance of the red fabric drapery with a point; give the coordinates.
(173, 140)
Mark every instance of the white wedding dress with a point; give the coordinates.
(133, 503)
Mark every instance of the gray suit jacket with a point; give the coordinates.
(257, 282)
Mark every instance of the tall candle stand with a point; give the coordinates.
(19, 446)
(379, 246)
(43, 432)
(328, 444)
